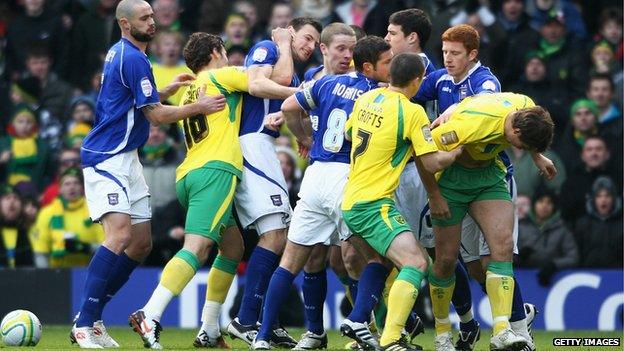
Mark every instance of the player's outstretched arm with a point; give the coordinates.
(262, 87)
(292, 112)
(284, 67)
(436, 161)
(205, 105)
(545, 165)
(437, 204)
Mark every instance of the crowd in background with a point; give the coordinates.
(566, 55)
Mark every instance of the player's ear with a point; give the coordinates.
(291, 30)
(412, 37)
(472, 55)
(323, 48)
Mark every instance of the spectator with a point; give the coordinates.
(611, 31)
(527, 176)
(566, 69)
(523, 206)
(321, 10)
(236, 55)
(541, 11)
(159, 159)
(544, 241)
(603, 60)
(94, 85)
(535, 84)
(80, 122)
(64, 235)
(36, 27)
(213, 14)
(169, 63)
(24, 154)
(250, 12)
(600, 89)
(95, 31)
(512, 17)
(15, 249)
(595, 158)
(599, 232)
(281, 15)
(167, 15)
(582, 125)
(26, 92)
(492, 34)
(68, 158)
(236, 32)
(292, 174)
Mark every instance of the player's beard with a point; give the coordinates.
(143, 37)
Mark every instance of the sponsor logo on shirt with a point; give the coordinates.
(146, 87)
(449, 138)
(259, 54)
(427, 133)
(488, 85)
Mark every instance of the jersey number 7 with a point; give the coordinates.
(195, 129)
(362, 146)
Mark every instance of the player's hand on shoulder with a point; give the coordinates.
(438, 207)
(181, 80)
(281, 36)
(274, 120)
(210, 104)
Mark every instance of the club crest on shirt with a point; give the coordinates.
(277, 200)
(259, 54)
(146, 87)
(488, 85)
(113, 199)
(399, 219)
(449, 138)
(427, 133)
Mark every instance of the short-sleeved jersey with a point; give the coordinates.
(478, 123)
(330, 102)
(440, 86)
(127, 86)
(429, 67)
(386, 129)
(309, 74)
(255, 108)
(212, 140)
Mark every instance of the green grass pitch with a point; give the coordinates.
(56, 338)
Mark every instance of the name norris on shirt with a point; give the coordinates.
(347, 92)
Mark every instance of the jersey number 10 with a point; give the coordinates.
(195, 129)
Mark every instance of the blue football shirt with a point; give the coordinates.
(255, 108)
(330, 102)
(127, 86)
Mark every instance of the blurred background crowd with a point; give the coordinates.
(566, 55)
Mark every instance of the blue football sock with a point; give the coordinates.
(462, 298)
(517, 306)
(314, 291)
(370, 287)
(277, 292)
(353, 288)
(98, 273)
(117, 278)
(261, 265)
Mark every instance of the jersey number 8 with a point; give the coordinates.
(333, 138)
(195, 129)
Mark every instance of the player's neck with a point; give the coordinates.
(139, 44)
(405, 91)
(459, 77)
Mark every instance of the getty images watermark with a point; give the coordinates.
(586, 342)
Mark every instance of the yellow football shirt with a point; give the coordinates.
(212, 140)
(478, 123)
(386, 129)
(163, 75)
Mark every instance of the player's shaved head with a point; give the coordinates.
(127, 8)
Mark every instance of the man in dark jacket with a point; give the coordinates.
(595, 156)
(599, 232)
(582, 125)
(544, 241)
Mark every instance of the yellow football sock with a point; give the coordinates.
(400, 302)
(220, 278)
(389, 282)
(441, 291)
(179, 271)
(499, 284)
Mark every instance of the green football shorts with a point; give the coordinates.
(207, 194)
